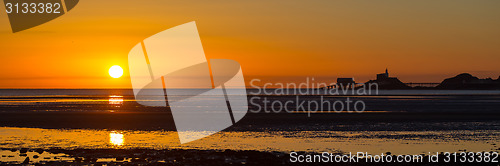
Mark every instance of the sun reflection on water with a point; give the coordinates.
(397, 142)
(116, 138)
(115, 100)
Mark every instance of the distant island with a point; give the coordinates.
(464, 81)
(467, 81)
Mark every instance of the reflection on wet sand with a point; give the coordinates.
(116, 138)
(17, 157)
(375, 142)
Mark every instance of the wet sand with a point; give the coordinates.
(399, 124)
(259, 121)
(189, 157)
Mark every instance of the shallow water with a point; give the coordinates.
(375, 142)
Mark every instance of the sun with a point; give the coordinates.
(115, 71)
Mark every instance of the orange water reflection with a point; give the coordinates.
(115, 100)
(374, 142)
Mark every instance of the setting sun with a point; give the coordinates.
(115, 71)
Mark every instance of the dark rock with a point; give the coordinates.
(26, 161)
(138, 160)
(78, 159)
(23, 150)
(39, 151)
(90, 159)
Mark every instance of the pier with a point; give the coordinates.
(426, 84)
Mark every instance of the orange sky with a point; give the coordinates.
(276, 41)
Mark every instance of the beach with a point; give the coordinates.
(108, 126)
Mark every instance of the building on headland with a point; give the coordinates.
(383, 75)
(385, 82)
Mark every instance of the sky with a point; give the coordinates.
(273, 40)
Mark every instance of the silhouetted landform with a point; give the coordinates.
(464, 81)
(385, 82)
(467, 81)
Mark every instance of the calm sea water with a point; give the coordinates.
(94, 100)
